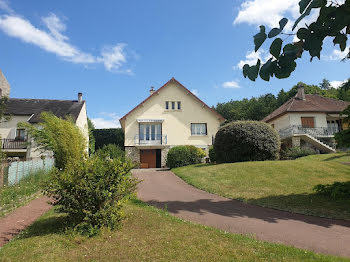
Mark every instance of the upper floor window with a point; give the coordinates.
(175, 105)
(20, 134)
(199, 129)
(308, 122)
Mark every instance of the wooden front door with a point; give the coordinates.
(148, 158)
(308, 122)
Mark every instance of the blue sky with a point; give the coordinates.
(114, 51)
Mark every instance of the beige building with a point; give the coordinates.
(170, 116)
(309, 121)
(15, 139)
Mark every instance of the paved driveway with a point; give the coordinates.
(164, 189)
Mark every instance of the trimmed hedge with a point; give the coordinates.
(184, 155)
(246, 141)
(108, 136)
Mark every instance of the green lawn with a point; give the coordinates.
(148, 234)
(20, 194)
(285, 185)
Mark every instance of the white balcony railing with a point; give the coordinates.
(315, 132)
(151, 139)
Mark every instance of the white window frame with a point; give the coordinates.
(199, 129)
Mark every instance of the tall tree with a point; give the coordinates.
(333, 22)
(325, 84)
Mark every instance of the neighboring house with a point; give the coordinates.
(309, 120)
(170, 116)
(15, 140)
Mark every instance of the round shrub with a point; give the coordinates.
(246, 141)
(184, 155)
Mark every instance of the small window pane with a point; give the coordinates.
(179, 105)
(166, 105)
(147, 132)
(142, 130)
(173, 105)
(158, 131)
(153, 132)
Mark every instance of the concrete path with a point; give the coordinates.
(164, 189)
(21, 218)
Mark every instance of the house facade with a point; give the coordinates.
(15, 141)
(309, 121)
(170, 116)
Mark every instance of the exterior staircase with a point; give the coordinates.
(317, 143)
(310, 135)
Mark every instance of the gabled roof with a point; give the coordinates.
(173, 80)
(60, 108)
(312, 103)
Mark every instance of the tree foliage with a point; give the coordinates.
(61, 136)
(111, 151)
(257, 108)
(92, 140)
(92, 192)
(333, 22)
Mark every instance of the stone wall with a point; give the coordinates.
(133, 153)
(164, 155)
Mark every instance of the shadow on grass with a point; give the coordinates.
(336, 157)
(235, 208)
(51, 223)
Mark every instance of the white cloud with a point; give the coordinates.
(252, 57)
(195, 92)
(53, 40)
(114, 57)
(337, 55)
(230, 84)
(337, 84)
(107, 120)
(257, 12)
(5, 6)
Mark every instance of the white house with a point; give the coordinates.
(309, 120)
(15, 140)
(170, 116)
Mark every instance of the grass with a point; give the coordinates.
(20, 194)
(148, 234)
(285, 185)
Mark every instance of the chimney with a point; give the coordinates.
(152, 90)
(301, 92)
(80, 97)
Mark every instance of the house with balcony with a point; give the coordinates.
(14, 140)
(309, 121)
(170, 116)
